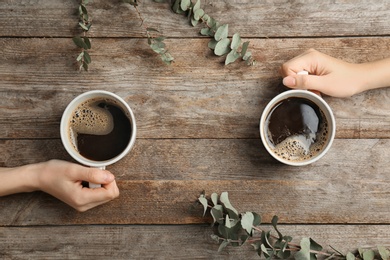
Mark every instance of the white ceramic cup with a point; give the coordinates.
(324, 107)
(65, 128)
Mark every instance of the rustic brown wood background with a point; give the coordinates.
(197, 127)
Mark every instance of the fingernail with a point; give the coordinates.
(109, 177)
(289, 81)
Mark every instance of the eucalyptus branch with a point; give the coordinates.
(220, 43)
(155, 42)
(84, 59)
(235, 229)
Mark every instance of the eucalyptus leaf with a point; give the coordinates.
(84, 26)
(244, 48)
(257, 219)
(368, 255)
(224, 244)
(222, 32)
(247, 222)
(79, 42)
(225, 201)
(196, 6)
(222, 47)
(87, 58)
(236, 41)
(205, 31)
(274, 223)
(85, 66)
(232, 57)
(217, 214)
(204, 202)
(194, 22)
(167, 57)
(198, 14)
(80, 57)
(214, 198)
(383, 252)
(304, 253)
(185, 4)
(227, 222)
(87, 42)
(350, 256)
(212, 43)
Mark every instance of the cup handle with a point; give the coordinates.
(95, 185)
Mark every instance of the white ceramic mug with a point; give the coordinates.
(323, 106)
(65, 128)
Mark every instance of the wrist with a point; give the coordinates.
(375, 74)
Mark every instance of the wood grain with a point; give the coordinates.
(165, 242)
(56, 18)
(174, 101)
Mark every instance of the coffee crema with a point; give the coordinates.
(99, 129)
(296, 129)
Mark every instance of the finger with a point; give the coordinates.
(312, 82)
(93, 175)
(89, 198)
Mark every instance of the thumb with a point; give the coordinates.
(95, 175)
(310, 82)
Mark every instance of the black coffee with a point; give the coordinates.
(100, 130)
(296, 129)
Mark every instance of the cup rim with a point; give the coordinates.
(64, 129)
(303, 94)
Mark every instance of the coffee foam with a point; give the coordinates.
(90, 118)
(299, 148)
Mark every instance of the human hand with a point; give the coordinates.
(63, 180)
(328, 75)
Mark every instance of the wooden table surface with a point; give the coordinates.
(197, 127)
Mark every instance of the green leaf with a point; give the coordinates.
(80, 57)
(257, 219)
(85, 66)
(222, 32)
(79, 42)
(217, 214)
(204, 202)
(224, 244)
(383, 252)
(196, 6)
(198, 14)
(232, 57)
(227, 222)
(222, 47)
(350, 256)
(83, 9)
(167, 57)
(176, 7)
(247, 222)
(214, 198)
(87, 42)
(84, 26)
(368, 255)
(185, 4)
(304, 253)
(274, 223)
(244, 48)
(194, 22)
(236, 41)
(225, 201)
(247, 55)
(212, 43)
(87, 58)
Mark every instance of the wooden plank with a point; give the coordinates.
(196, 97)
(161, 180)
(165, 242)
(58, 18)
(218, 159)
